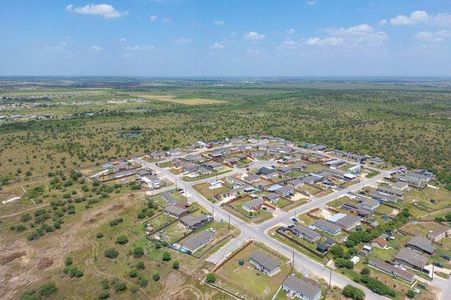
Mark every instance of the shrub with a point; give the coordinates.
(353, 292)
(111, 253)
(133, 274)
(99, 235)
(47, 289)
(241, 262)
(104, 295)
(211, 278)
(68, 261)
(25, 217)
(138, 251)
(175, 265)
(411, 294)
(140, 265)
(121, 240)
(344, 263)
(143, 282)
(166, 256)
(120, 286)
(365, 271)
(156, 277)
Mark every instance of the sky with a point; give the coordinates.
(167, 38)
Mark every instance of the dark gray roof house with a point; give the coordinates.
(411, 258)
(197, 241)
(327, 226)
(349, 222)
(391, 269)
(302, 288)
(254, 204)
(264, 263)
(421, 244)
(176, 211)
(305, 233)
(193, 222)
(390, 191)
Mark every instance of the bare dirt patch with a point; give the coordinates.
(44, 263)
(173, 99)
(8, 258)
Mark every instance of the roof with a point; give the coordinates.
(380, 241)
(330, 225)
(197, 240)
(306, 231)
(254, 203)
(272, 196)
(191, 221)
(348, 221)
(391, 269)
(441, 230)
(266, 171)
(412, 257)
(175, 210)
(422, 243)
(264, 260)
(369, 202)
(308, 288)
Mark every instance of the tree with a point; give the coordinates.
(241, 262)
(140, 265)
(120, 286)
(111, 253)
(105, 294)
(353, 292)
(68, 261)
(211, 278)
(25, 217)
(365, 271)
(143, 282)
(156, 277)
(411, 294)
(166, 256)
(175, 265)
(99, 235)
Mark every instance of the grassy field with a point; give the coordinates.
(174, 99)
(250, 281)
(203, 189)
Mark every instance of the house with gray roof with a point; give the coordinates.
(391, 270)
(348, 222)
(302, 288)
(421, 244)
(253, 205)
(285, 191)
(264, 263)
(390, 191)
(305, 233)
(412, 259)
(197, 241)
(439, 233)
(381, 197)
(327, 226)
(369, 203)
(272, 197)
(194, 222)
(175, 211)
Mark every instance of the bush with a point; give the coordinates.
(47, 289)
(25, 217)
(365, 271)
(156, 277)
(120, 286)
(344, 263)
(138, 251)
(211, 278)
(121, 240)
(104, 295)
(175, 265)
(111, 253)
(140, 265)
(241, 262)
(143, 282)
(133, 274)
(99, 235)
(166, 256)
(411, 294)
(68, 261)
(353, 292)
(73, 272)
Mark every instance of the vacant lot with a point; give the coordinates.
(173, 99)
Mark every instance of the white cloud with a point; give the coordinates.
(218, 22)
(183, 40)
(139, 48)
(419, 16)
(433, 36)
(104, 10)
(362, 35)
(153, 18)
(442, 20)
(291, 31)
(218, 46)
(254, 36)
(96, 48)
(383, 22)
(311, 2)
(289, 45)
(122, 40)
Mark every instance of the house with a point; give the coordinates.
(327, 226)
(439, 233)
(391, 270)
(253, 205)
(349, 222)
(274, 188)
(285, 191)
(412, 259)
(267, 172)
(302, 288)
(312, 178)
(369, 203)
(272, 197)
(421, 244)
(251, 178)
(379, 242)
(197, 241)
(167, 196)
(176, 211)
(212, 165)
(390, 191)
(413, 180)
(264, 263)
(383, 197)
(194, 222)
(296, 183)
(305, 233)
(399, 185)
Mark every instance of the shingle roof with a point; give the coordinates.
(306, 287)
(412, 257)
(391, 269)
(264, 260)
(306, 231)
(196, 240)
(422, 243)
(175, 210)
(348, 221)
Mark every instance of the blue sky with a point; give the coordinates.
(226, 37)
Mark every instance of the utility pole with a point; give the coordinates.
(433, 266)
(292, 259)
(229, 221)
(330, 278)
